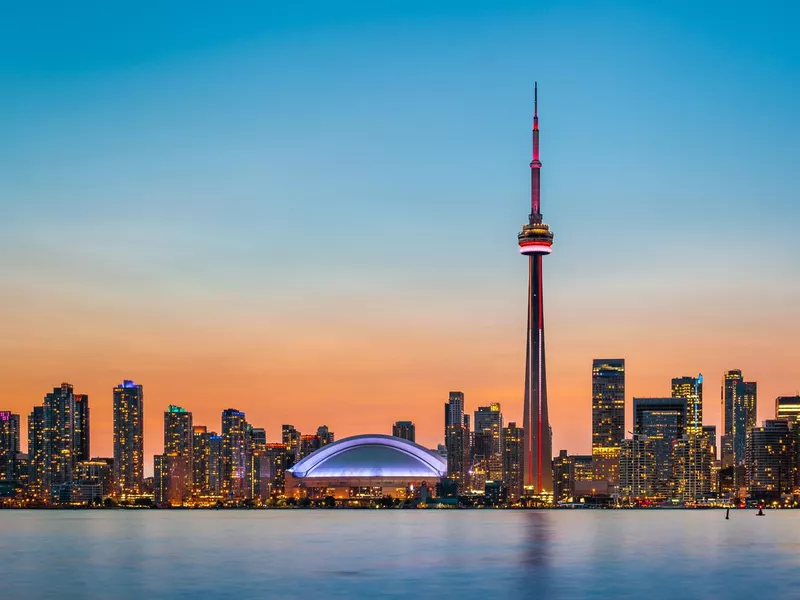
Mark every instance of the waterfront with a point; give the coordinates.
(397, 553)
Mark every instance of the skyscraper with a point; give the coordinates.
(563, 477)
(38, 454)
(128, 439)
(608, 416)
(200, 460)
(662, 421)
(691, 388)
(739, 406)
(404, 430)
(488, 440)
(234, 453)
(290, 437)
(535, 240)
(178, 431)
(326, 436)
(457, 441)
(513, 456)
(82, 439)
(60, 420)
(175, 468)
(9, 445)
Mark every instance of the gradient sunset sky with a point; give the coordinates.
(308, 210)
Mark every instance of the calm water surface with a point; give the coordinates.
(398, 554)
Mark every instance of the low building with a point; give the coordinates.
(365, 466)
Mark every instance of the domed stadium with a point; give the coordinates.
(366, 466)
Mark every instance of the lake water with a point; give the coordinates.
(563, 554)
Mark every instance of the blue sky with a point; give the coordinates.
(366, 163)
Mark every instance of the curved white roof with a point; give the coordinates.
(371, 455)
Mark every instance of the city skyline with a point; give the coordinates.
(197, 274)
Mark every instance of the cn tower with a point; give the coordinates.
(536, 240)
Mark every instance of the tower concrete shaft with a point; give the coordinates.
(535, 241)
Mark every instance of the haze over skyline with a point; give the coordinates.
(310, 214)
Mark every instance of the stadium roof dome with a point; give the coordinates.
(371, 455)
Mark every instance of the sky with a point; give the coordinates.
(308, 210)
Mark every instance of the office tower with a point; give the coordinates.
(178, 432)
(9, 445)
(38, 454)
(82, 438)
(513, 456)
(693, 457)
(325, 435)
(60, 419)
(128, 439)
(788, 407)
(216, 464)
(404, 430)
(608, 416)
(200, 460)
(739, 404)
(290, 438)
(563, 478)
(662, 421)
(488, 441)
(535, 241)
(454, 410)
(279, 458)
(234, 454)
(636, 469)
(457, 441)
(172, 479)
(690, 388)
(771, 451)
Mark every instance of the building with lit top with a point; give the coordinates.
(535, 241)
(365, 466)
(513, 456)
(487, 445)
(608, 417)
(662, 421)
(234, 454)
(788, 407)
(128, 439)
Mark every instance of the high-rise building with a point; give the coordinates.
(128, 439)
(200, 460)
(488, 441)
(82, 431)
(173, 483)
(691, 388)
(608, 416)
(234, 454)
(309, 443)
(739, 404)
(97, 471)
(9, 445)
(257, 467)
(278, 460)
(563, 477)
(662, 421)
(636, 469)
(290, 437)
(60, 421)
(535, 241)
(513, 456)
(693, 457)
(454, 410)
(788, 407)
(216, 464)
(770, 459)
(172, 479)
(325, 435)
(38, 454)
(404, 430)
(178, 432)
